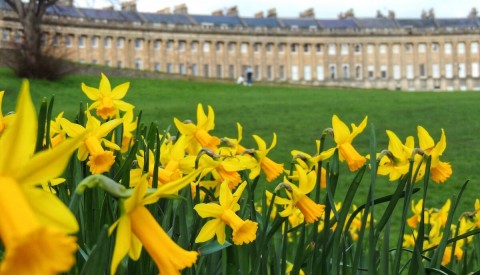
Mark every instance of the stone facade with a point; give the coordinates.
(382, 52)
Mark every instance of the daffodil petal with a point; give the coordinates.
(107, 127)
(208, 230)
(208, 210)
(90, 92)
(122, 243)
(72, 129)
(340, 130)
(120, 91)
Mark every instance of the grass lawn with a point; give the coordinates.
(298, 115)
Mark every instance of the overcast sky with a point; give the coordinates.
(323, 8)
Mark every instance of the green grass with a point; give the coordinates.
(298, 115)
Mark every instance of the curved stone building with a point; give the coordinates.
(425, 53)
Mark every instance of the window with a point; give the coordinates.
(358, 71)
(206, 47)
(269, 72)
(120, 64)
(181, 45)
(69, 41)
(344, 49)
(231, 71)
(138, 43)
(474, 47)
(358, 49)
(156, 44)
(332, 49)
(219, 71)
(435, 71)
(256, 71)
(194, 46)
(169, 45)
(138, 64)
(231, 46)
(94, 61)
(320, 73)
(383, 72)
(423, 71)
(370, 48)
(107, 42)
(294, 72)
(396, 48)
(6, 34)
(461, 48)
(18, 36)
(422, 48)
(294, 48)
(448, 48)
(169, 68)
(409, 47)
(306, 48)
(434, 47)
(410, 71)
(462, 70)
(371, 71)
(383, 48)
(475, 70)
(194, 70)
(345, 71)
(206, 70)
(56, 37)
(307, 73)
(120, 42)
(281, 72)
(244, 47)
(81, 41)
(269, 47)
(448, 71)
(319, 48)
(157, 67)
(219, 46)
(333, 71)
(397, 73)
(181, 69)
(281, 47)
(256, 47)
(107, 63)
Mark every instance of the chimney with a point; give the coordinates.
(272, 13)
(259, 14)
(391, 15)
(180, 9)
(66, 3)
(164, 11)
(108, 8)
(233, 11)
(309, 13)
(473, 13)
(217, 13)
(130, 5)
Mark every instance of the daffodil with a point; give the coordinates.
(396, 162)
(311, 210)
(129, 126)
(244, 231)
(100, 160)
(309, 162)
(108, 102)
(197, 136)
(417, 214)
(271, 169)
(4, 120)
(34, 224)
(136, 227)
(439, 170)
(57, 134)
(343, 138)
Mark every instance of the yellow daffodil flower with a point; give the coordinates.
(477, 213)
(417, 214)
(129, 126)
(34, 224)
(108, 102)
(4, 120)
(439, 170)
(244, 231)
(309, 162)
(136, 227)
(438, 218)
(447, 254)
(197, 136)
(343, 138)
(397, 162)
(57, 134)
(271, 169)
(299, 196)
(100, 160)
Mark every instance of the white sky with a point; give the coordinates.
(323, 8)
